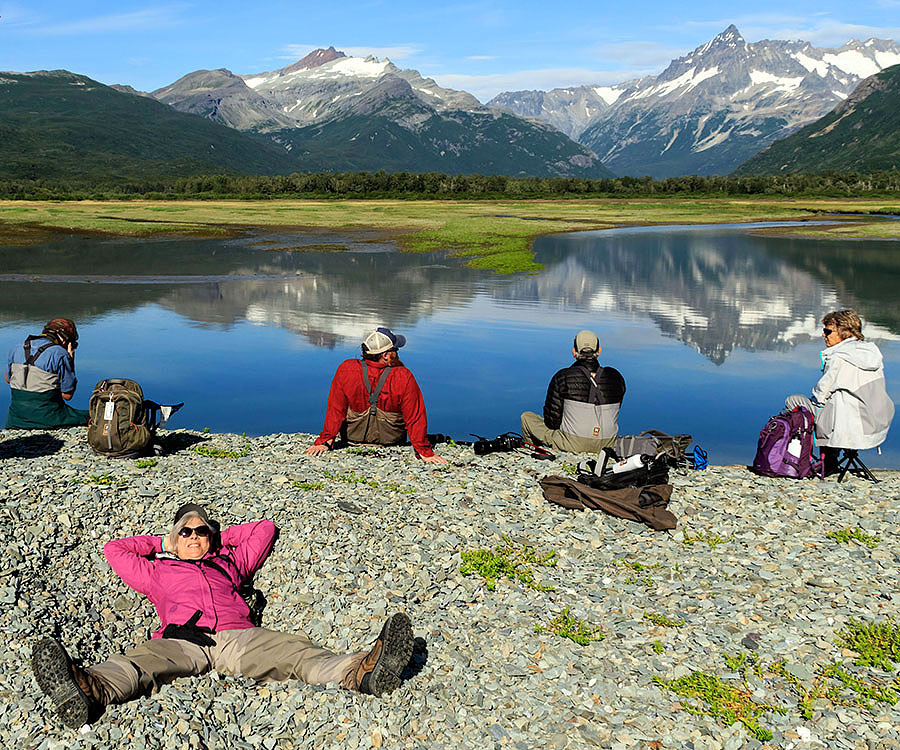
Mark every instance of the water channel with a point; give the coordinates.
(711, 326)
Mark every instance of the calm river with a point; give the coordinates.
(711, 327)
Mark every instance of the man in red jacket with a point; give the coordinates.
(193, 577)
(375, 400)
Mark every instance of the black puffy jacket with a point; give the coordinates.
(573, 383)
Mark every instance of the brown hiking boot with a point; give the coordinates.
(77, 694)
(380, 670)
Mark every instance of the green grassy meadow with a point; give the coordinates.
(494, 235)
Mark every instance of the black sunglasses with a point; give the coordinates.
(827, 331)
(187, 531)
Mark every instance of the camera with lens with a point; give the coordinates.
(508, 441)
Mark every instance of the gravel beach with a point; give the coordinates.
(749, 589)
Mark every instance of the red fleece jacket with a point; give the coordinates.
(400, 394)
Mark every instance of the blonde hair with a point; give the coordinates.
(846, 323)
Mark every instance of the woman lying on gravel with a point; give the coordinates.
(192, 577)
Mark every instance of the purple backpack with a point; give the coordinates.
(785, 447)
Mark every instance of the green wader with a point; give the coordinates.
(41, 411)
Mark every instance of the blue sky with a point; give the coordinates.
(482, 46)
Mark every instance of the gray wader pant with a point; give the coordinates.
(260, 654)
(534, 430)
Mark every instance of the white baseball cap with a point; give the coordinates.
(381, 340)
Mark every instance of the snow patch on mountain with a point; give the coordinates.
(609, 94)
(344, 67)
(687, 80)
(713, 139)
(671, 140)
(887, 59)
(369, 67)
(811, 64)
(256, 82)
(854, 62)
(782, 83)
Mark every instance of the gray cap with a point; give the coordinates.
(382, 340)
(586, 342)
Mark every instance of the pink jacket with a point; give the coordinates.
(178, 588)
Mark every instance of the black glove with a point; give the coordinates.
(190, 631)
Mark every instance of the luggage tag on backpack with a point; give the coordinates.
(109, 410)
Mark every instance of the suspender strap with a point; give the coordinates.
(375, 392)
(29, 358)
(594, 395)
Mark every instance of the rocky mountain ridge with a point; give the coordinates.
(711, 109)
(366, 113)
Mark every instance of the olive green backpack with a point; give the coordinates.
(121, 422)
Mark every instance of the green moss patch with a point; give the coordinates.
(845, 536)
(877, 643)
(510, 561)
(567, 625)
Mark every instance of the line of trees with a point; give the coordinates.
(438, 185)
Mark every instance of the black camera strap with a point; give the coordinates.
(594, 393)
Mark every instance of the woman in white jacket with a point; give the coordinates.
(850, 401)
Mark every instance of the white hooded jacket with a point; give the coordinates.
(856, 410)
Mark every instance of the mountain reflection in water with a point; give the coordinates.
(483, 346)
(713, 288)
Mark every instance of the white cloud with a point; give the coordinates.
(398, 52)
(485, 87)
(481, 58)
(139, 20)
(15, 16)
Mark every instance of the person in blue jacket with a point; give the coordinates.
(41, 377)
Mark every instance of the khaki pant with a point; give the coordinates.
(534, 430)
(257, 653)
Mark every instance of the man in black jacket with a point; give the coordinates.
(581, 411)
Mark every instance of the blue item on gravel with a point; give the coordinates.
(701, 458)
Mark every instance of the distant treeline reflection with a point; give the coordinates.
(438, 185)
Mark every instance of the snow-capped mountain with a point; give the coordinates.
(570, 110)
(366, 113)
(318, 92)
(712, 109)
